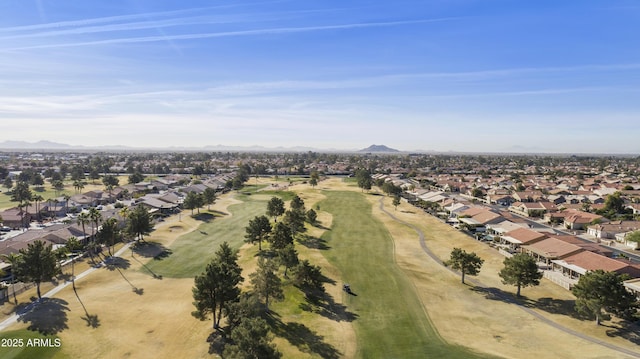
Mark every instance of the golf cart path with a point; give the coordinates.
(477, 283)
(14, 318)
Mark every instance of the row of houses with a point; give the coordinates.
(562, 257)
(63, 225)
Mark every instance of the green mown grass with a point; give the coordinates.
(46, 193)
(190, 253)
(390, 320)
(284, 195)
(26, 352)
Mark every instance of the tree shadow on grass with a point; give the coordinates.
(313, 242)
(91, 319)
(217, 213)
(558, 306)
(549, 305)
(153, 250)
(306, 340)
(113, 263)
(48, 316)
(324, 304)
(498, 294)
(138, 291)
(625, 329)
(204, 217)
(216, 342)
(155, 276)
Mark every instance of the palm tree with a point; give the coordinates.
(124, 212)
(108, 233)
(66, 202)
(55, 204)
(25, 206)
(83, 219)
(96, 218)
(13, 259)
(73, 244)
(50, 201)
(38, 199)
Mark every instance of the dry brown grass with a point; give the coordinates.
(158, 322)
(469, 317)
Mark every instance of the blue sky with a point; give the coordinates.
(448, 75)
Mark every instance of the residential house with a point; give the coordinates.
(533, 209)
(521, 236)
(580, 263)
(477, 218)
(156, 204)
(550, 249)
(633, 285)
(609, 230)
(586, 245)
(528, 196)
(15, 217)
(578, 220)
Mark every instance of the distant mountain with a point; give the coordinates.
(54, 146)
(378, 148)
(21, 145)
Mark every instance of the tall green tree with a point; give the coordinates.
(288, 257)
(110, 182)
(94, 174)
(280, 236)
(218, 285)
(37, 199)
(78, 185)
(14, 260)
(363, 176)
(599, 292)
(247, 306)
(312, 216)
(295, 221)
(396, 201)
(266, 283)
(23, 195)
(275, 207)
(58, 186)
(108, 233)
(139, 223)
(614, 203)
(135, 177)
(73, 245)
(258, 230)
(315, 176)
(192, 201)
(96, 217)
(297, 205)
(309, 276)
(66, 198)
(520, 270)
(390, 189)
(38, 181)
(251, 340)
(209, 197)
(8, 183)
(466, 263)
(37, 264)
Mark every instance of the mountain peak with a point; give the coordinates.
(379, 148)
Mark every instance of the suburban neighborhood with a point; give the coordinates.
(571, 216)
